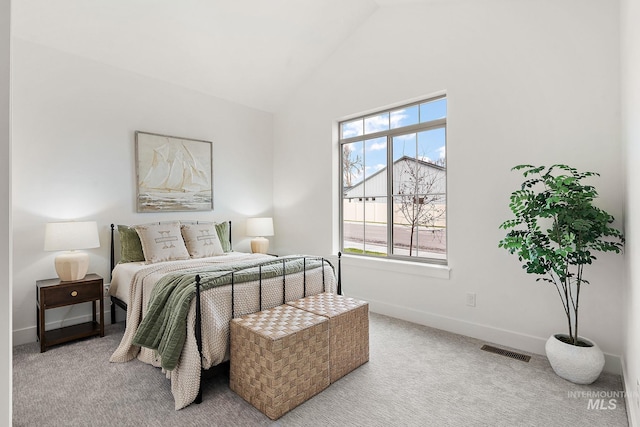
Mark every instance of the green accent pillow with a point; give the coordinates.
(130, 246)
(223, 234)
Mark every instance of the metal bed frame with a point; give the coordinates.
(198, 321)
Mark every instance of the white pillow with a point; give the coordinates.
(162, 242)
(201, 240)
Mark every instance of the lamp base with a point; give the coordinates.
(259, 245)
(72, 265)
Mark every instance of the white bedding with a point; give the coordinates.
(123, 274)
(133, 283)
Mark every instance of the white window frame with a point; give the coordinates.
(389, 134)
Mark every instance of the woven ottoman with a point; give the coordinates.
(279, 358)
(348, 330)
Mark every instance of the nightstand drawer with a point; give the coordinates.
(53, 293)
(71, 294)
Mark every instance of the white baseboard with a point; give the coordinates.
(29, 334)
(516, 340)
(630, 396)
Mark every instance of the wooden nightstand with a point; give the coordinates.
(52, 293)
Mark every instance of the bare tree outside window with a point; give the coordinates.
(419, 196)
(351, 165)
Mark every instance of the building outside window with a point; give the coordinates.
(397, 211)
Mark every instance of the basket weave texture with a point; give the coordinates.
(348, 330)
(279, 358)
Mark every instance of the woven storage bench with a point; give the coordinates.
(348, 330)
(279, 358)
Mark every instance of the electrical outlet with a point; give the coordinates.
(471, 299)
(106, 289)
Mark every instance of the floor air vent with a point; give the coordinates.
(507, 353)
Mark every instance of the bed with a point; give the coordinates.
(178, 310)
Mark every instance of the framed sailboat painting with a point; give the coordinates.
(174, 174)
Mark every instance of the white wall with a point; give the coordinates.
(5, 216)
(73, 157)
(630, 16)
(527, 82)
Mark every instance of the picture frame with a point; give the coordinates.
(173, 174)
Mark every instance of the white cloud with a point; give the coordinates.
(376, 123)
(408, 137)
(377, 146)
(352, 129)
(397, 117)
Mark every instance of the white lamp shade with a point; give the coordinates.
(260, 227)
(69, 236)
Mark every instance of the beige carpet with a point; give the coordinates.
(417, 376)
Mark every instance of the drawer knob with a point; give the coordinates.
(74, 293)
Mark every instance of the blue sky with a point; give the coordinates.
(427, 145)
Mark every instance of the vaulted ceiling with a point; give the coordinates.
(253, 52)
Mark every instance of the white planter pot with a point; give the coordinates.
(580, 365)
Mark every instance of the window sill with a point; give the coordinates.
(398, 266)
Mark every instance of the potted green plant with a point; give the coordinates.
(555, 233)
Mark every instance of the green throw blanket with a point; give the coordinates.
(164, 327)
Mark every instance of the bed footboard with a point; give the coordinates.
(198, 332)
(198, 320)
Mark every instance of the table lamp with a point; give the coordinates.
(259, 227)
(71, 236)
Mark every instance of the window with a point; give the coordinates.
(393, 180)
